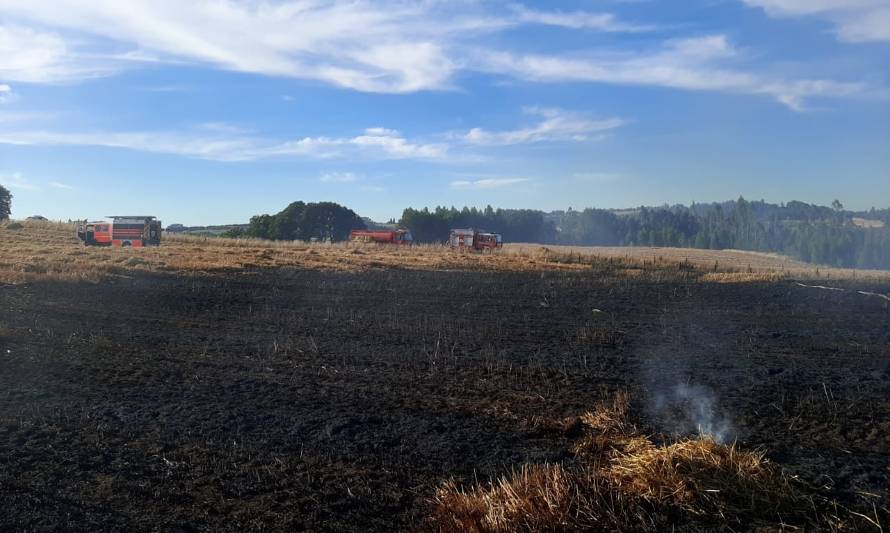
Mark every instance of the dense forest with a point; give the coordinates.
(818, 234)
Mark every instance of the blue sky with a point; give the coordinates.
(212, 111)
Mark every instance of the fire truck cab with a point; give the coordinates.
(123, 231)
(471, 239)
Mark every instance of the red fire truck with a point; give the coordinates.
(135, 231)
(471, 239)
(394, 236)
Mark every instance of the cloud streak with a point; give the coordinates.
(378, 47)
(554, 125)
(486, 183)
(220, 143)
(35, 56)
(579, 20)
(338, 177)
(17, 181)
(227, 143)
(691, 64)
(854, 20)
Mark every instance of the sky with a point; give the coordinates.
(212, 111)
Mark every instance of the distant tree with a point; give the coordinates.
(5, 203)
(837, 205)
(262, 227)
(329, 221)
(302, 221)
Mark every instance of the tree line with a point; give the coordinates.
(812, 233)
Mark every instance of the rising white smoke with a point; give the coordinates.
(692, 409)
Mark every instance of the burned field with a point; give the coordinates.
(303, 399)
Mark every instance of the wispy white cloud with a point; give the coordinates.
(173, 88)
(6, 93)
(227, 143)
(223, 128)
(554, 125)
(381, 47)
(487, 183)
(352, 179)
(175, 143)
(855, 20)
(7, 117)
(382, 131)
(35, 56)
(375, 142)
(338, 177)
(580, 20)
(691, 64)
(17, 181)
(387, 46)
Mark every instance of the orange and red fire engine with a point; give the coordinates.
(471, 239)
(135, 231)
(393, 236)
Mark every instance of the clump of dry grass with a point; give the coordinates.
(704, 478)
(534, 498)
(610, 417)
(624, 481)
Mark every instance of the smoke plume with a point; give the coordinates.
(692, 409)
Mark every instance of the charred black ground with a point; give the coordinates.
(341, 401)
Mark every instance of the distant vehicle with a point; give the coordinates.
(394, 236)
(471, 239)
(37, 217)
(124, 231)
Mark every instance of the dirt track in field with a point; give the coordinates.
(292, 399)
